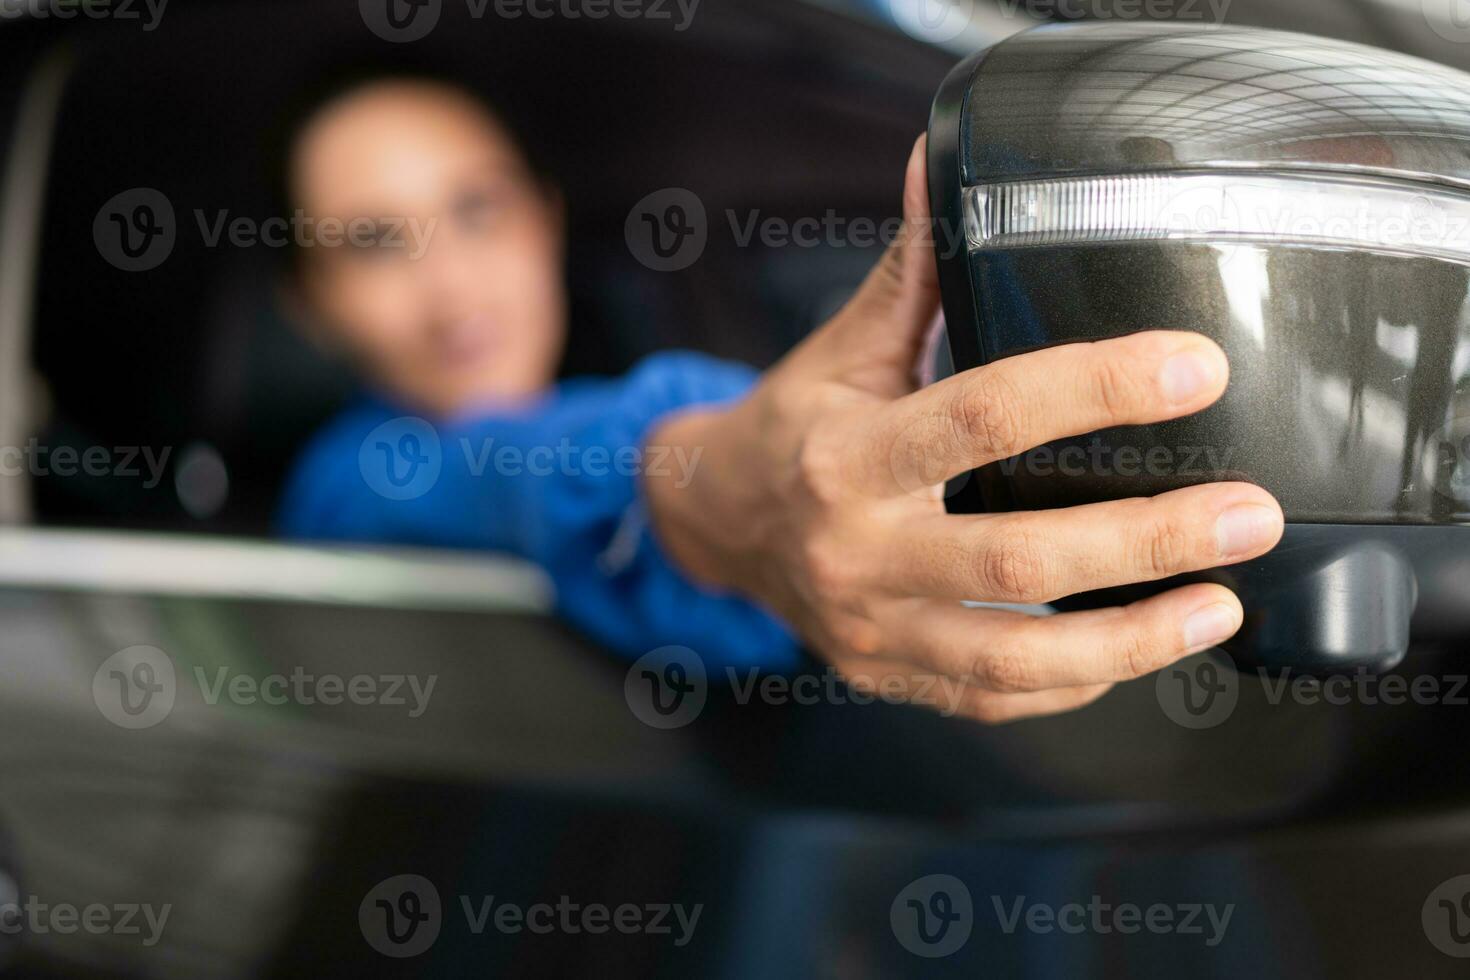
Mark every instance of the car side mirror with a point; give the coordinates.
(1304, 202)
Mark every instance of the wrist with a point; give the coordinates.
(698, 518)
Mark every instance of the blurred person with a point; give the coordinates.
(454, 309)
(749, 513)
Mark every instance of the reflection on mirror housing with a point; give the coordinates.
(1305, 203)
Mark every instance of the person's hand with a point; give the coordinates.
(821, 495)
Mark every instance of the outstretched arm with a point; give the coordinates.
(821, 495)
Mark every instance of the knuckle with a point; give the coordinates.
(1118, 389)
(858, 637)
(917, 457)
(1166, 549)
(1013, 569)
(784, 399)
(989, 414)
(819, 469)
(828, 571)
(1135, 655)
(1007, 673)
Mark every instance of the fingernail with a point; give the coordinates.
(1246, 529)
(1186, 375)
(1210, 626)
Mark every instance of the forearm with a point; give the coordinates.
(707, 524)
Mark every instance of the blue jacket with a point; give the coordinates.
(555, 482)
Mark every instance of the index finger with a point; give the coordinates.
(1003, 409)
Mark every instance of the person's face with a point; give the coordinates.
(468, 306)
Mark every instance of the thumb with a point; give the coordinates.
(887, 321)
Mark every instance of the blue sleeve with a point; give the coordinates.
(558, 485)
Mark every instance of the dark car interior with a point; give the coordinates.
(267, 830)
(203, 351)
(201, 354)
